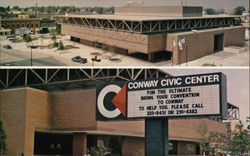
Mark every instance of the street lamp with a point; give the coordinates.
(31, 47)
(94, 59)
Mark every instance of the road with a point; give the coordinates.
(12, 57)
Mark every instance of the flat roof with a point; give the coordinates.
(143, 18)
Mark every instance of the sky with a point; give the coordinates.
(217, 4)
(237, 85)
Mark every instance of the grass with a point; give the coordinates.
(21, 40)
(115, 59)
(17, 41)
(67, 47)
(50, 46)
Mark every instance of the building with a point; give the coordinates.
(4, 32)
(32, 24)
(24, 22)
(181, 31)
(57, 115)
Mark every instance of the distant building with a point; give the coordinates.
(24, 22)
(32, 24)
(21, 16)
(8, 16)
(4, 32)
(181, 31)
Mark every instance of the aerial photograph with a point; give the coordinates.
(124, 78)
(124, 33)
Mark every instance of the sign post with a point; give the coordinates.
(156, 137)
(158, 100)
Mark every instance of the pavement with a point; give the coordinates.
(222, 58)
(20, 55)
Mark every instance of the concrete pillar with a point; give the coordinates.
(151, 57)
(79, 144)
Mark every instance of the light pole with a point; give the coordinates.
(94, 59)
(31, 47)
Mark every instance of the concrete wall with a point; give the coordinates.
(157, 42)
(13, 115)
(201, 43)
(74, 110)
(174, 11)
(38, 116)
(192, 11)
(132, 146)
(23, 111)
(185, 129)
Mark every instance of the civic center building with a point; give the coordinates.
(52, 112)
(180, 31)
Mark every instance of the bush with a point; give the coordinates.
(98, 151)
(239, 10)
(60, 46)
(3, 138)
(27, 38)
(55, 44)
(210, 11)
(53, 38)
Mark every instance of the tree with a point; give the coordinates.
(17, 8)
(58, 29)
(219, 140)
(203, 130)
(189, 149)
(8, 8)
(239, 10)
(210, 11)
(2, 10)
(3, 137)
(240, 142)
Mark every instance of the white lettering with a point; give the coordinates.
(202, 79)
(169, 82)
(143, 84)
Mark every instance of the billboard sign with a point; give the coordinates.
(199, 95)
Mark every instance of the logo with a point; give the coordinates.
(111, 102)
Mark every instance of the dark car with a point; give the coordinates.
(7, 47)
(79, 59)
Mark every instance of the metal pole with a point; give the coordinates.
(30, 56)
(186, 55)
(186, 52)
(156, 136)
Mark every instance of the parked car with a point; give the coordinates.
(79, 59)
(7, 46)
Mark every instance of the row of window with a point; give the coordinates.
(31, 25)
